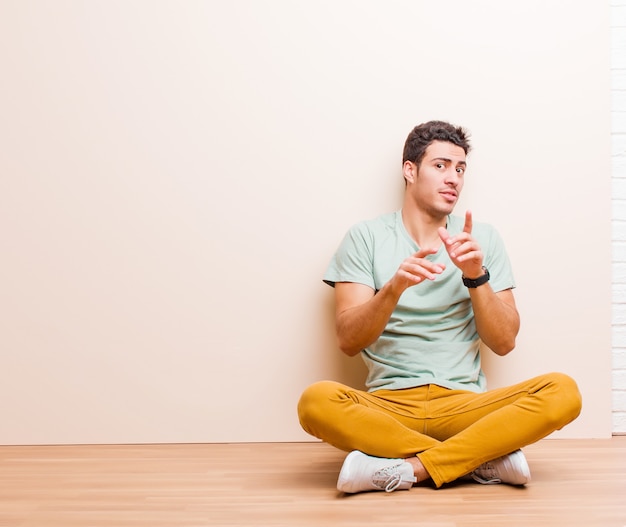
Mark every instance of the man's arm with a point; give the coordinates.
(496, 316)
(362, 314)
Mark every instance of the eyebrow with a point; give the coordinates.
(448, 160)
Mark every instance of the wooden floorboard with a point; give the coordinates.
(574, 483)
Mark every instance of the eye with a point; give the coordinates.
(460, 170)
(440, 165)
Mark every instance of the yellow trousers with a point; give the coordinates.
(451, 431)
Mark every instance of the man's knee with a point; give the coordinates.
(313, 404)
(567, 401)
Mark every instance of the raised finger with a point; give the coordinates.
(468, 222)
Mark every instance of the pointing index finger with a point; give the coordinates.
(424, 252)
(468, 222)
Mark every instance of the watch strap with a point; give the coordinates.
(475, 282)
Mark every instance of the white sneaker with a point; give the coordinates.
(361, 472)
(512, 469)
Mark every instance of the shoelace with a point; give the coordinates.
(493, 481)
(487, 470)
(387, 479)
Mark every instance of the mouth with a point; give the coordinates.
(449, 195)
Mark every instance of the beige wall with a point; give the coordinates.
(174, 177)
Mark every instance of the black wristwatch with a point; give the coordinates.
(468, 282)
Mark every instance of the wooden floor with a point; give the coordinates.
(575, 483)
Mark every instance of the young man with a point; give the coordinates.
(416, 291)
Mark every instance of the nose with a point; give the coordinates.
(452, 177)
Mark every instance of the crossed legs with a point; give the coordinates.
(443, 433)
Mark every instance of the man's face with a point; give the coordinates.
(436, 186)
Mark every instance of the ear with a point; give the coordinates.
(409, 171)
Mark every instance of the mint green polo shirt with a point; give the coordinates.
(431, 336)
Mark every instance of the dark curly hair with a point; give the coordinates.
(422, 135)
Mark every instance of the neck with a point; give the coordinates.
(423, 228)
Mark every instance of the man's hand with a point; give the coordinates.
(463, 249)
(416, 269)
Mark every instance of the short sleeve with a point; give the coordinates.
(353, 260)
